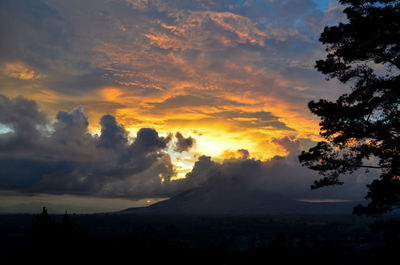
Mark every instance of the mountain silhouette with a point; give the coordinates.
(238, 200)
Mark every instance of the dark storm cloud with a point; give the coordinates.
(24, 119)
(63, 157)
(183, 144)
(203, 169)
(21, 114)
(148, 138)
(282, 175)
(112, 134)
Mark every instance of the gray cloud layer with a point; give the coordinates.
(63, 157)
(282, 175)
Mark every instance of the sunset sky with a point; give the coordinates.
(178, 81)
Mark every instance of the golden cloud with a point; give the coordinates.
(21, 71)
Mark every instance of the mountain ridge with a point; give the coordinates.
(238, 201)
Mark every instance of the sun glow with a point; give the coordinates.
(218, 142)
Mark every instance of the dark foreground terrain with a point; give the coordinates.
(139, 239)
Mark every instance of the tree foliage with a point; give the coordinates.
(362, 128)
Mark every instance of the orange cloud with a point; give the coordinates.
(21, 71)
(111, 94)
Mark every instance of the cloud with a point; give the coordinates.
(24, 120)
(253, 119)
(292, 147)
(203, 169)
(63, 157)
(281, 175)
(183, 144)
(21, 71)
(244, 153)
(112, 135)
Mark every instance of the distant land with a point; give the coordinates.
(237, 200)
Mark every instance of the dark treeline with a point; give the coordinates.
(117, 239)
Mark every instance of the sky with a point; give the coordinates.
(123, 103)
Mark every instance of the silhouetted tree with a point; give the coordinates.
(67, 222)
(362, 128)
(43, 228)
